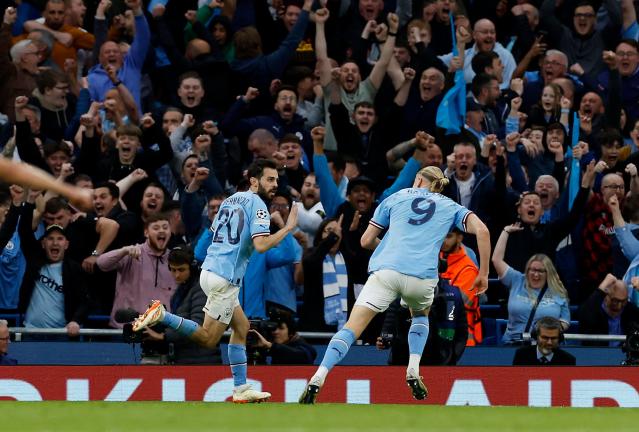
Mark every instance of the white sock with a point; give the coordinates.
(321, 374)
(413, 363)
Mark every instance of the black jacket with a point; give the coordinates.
(545, 237)
(104, 167)
(74, 286)
(481, 195)
(593, 319)
(369, 149)
(527, 356)
(296, 351)
(130, 227)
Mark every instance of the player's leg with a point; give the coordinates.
(417, 337)
(376, 296)
(341, 342)
(218, 311)
(243, 392)
(337, 349)
(31, 176)
(207, 335)
(418, 295)
(237, 347)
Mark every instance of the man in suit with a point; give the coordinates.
(547, 333)
(608, 312)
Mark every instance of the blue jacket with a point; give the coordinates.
(131, 70)
(629, 91)
(252, 297)
(203, 243)
(12, 262)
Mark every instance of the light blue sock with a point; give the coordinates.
(337, 348)
(182, 326)
(237, 360)
(417, 335)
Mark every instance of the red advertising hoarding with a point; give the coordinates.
(565, 386)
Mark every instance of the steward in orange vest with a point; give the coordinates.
(461, 272)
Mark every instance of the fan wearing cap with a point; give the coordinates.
(88, 236)
(54, 291)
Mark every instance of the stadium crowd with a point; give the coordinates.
(530, 106)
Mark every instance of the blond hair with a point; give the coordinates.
(555, 285)
(436, 177)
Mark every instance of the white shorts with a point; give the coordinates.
(221, 296)
(384, 286)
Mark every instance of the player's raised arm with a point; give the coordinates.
(475, 226)
(264, 243)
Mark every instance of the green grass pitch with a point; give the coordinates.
(192, 417)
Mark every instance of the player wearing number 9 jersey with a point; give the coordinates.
(404, 264)
(241, 225)
(420, 221)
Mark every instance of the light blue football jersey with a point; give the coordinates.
(241, 217)
(417, 222)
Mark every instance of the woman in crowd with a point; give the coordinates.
(534, 294)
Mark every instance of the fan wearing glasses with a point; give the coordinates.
(607, 311)
(600, 248)
(582, 42)
(535, 293)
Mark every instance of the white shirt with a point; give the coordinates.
(548, 356)
(465, 188)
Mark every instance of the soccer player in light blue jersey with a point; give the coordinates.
(405, 264)
(241, 225)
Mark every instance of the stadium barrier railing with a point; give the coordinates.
(19, 331)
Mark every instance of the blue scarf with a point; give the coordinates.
(335, 281)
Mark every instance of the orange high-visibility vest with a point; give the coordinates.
(462, 272)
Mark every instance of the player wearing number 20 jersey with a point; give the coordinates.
(242, 225)
(417, 221)
(242, 217)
